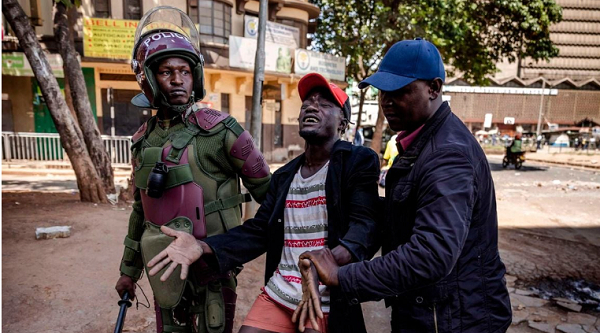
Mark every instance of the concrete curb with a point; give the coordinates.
(580, 165)
(534, 158)
(44, 172)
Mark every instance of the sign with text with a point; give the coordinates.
(242, 53)
(275, 32)
(331, 67)
(487, 122)
(509, 120)
(106, 38)
(16, 64)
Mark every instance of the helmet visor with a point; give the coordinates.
(167, 18)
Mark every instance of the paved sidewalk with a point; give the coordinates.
(38, 168)
(57, 176)
(566, 157)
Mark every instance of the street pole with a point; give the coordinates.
(259, 78)
(111, 101)
(110, 97)
(539, 124)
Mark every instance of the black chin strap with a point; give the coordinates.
(179, 109)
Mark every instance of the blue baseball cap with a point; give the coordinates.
(406, 62)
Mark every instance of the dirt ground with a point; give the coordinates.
(67, 284)
(547, 230)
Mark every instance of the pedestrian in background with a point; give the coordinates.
(539, 140)
(359, 138)
(391, 151)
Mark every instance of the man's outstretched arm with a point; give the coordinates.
(235, 247)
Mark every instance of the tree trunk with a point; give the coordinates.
(81, 101)
(68, 97)
(90, 186)
(378, 134)
(360, 111)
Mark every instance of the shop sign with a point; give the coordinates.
(16, 64)
(487, 122)
(275, 33)
(242, 53)
(499, 90)
(331, 67)
(106, 38)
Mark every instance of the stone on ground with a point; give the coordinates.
(570, 328)
(570, 306)
(53, 232)
(581, 318)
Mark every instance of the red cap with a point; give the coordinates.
(313, 80)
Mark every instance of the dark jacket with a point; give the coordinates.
(441, 265)
(352, 199)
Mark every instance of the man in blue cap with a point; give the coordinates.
(440, 269)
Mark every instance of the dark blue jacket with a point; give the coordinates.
(352, 199)
(440, 270)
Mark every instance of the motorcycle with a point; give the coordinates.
(513, 158)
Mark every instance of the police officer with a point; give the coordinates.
(187, 166)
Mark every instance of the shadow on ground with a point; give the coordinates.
(497, 166)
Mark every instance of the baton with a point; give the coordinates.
(124, 303)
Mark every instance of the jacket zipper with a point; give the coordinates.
(435, 319)
(339, 204)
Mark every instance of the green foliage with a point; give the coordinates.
(351, 29)
(69, 3)
(472, 36)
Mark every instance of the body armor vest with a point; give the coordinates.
(180, 196)
(176, 192)
(212, 206)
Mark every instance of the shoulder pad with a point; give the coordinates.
(140, 133)
(207, 118)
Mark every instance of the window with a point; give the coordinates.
(225, 103)
(193, 10)
(102, 8)
(132, 9)
(214, 19)
(35, 13)
(303, 27)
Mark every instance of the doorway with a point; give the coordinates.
(128, 118)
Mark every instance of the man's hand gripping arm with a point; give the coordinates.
(314, 266)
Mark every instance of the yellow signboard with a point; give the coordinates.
(106, 38)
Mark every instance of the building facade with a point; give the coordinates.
(104, 39)
(572, 80)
